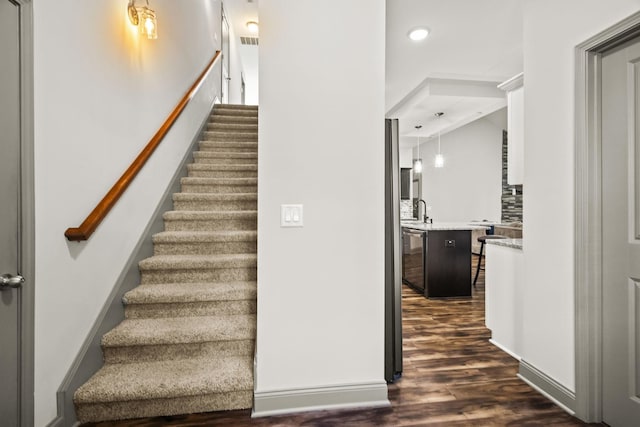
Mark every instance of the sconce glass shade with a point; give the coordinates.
(144, 18)
(417, 165)
(439, 161)
(148, 24)
(133, 13)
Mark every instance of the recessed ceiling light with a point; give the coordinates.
(252, 26)
(418, 33)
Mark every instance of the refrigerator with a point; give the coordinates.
(393, 246)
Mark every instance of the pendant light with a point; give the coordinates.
(417, 163)
(439, 159)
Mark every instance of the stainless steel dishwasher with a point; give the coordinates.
(413, 258)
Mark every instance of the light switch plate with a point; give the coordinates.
(291, 216)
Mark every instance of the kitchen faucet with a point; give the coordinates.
(425, 218)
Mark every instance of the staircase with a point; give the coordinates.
(186, 344)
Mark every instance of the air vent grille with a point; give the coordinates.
(249, 41)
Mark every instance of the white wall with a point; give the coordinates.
(250, 67)
(101, 92)
(551, 32)
(320, 287)
(406, 158)
(469, 186)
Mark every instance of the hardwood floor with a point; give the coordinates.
(452, 376)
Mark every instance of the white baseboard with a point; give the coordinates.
(548, 387)
(280, 402)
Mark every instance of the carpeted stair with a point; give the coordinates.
(187, 342)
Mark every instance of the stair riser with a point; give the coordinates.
(199, 275)
(96, 412)
(215, 205)
(238, 112)
(229, 136)
(235, 107)
(248, 120)
(205, 248)
(233, 127)
(223, 139)
(210, 146)
(219, 189)
(191, 309)
(151, 353)
(224, 155)
(211, 225)
(222, 174)
(225, 161)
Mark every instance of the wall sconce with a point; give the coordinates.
(252, 26)
(144, 18)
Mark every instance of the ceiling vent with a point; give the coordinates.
(249, 41)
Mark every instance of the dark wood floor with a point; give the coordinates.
(452, 376)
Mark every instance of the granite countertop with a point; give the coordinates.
(439, 226)
(508, 243)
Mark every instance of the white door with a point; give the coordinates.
(226, 58)
(10, 294)
(621, 235)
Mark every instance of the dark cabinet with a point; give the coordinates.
(448, 264)
(405, 183)
(413, 251)
(443, 258)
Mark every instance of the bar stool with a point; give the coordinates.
(482, 240)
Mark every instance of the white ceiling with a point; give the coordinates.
(473, 46)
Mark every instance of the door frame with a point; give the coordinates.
(226, 56)
(588, 215)
(27, 214)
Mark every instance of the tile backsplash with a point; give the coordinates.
(406, 209)
(511, 200)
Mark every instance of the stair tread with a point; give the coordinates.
(236, 106)
(234, 167)
(219, 181)
(226, 154)
(190, 292)
(208, 215)
(235, 144)
(235, 132)
(232, 126)
(223, 117)
(180, 330)
(215, 196)
(190, 262)
(167, 379)
(205, 236)
(224, 167)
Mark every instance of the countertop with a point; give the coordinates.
(508, 243)
(439, 226)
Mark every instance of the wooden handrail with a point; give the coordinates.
(98, 214)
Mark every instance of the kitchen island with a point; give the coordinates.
(436, 258)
